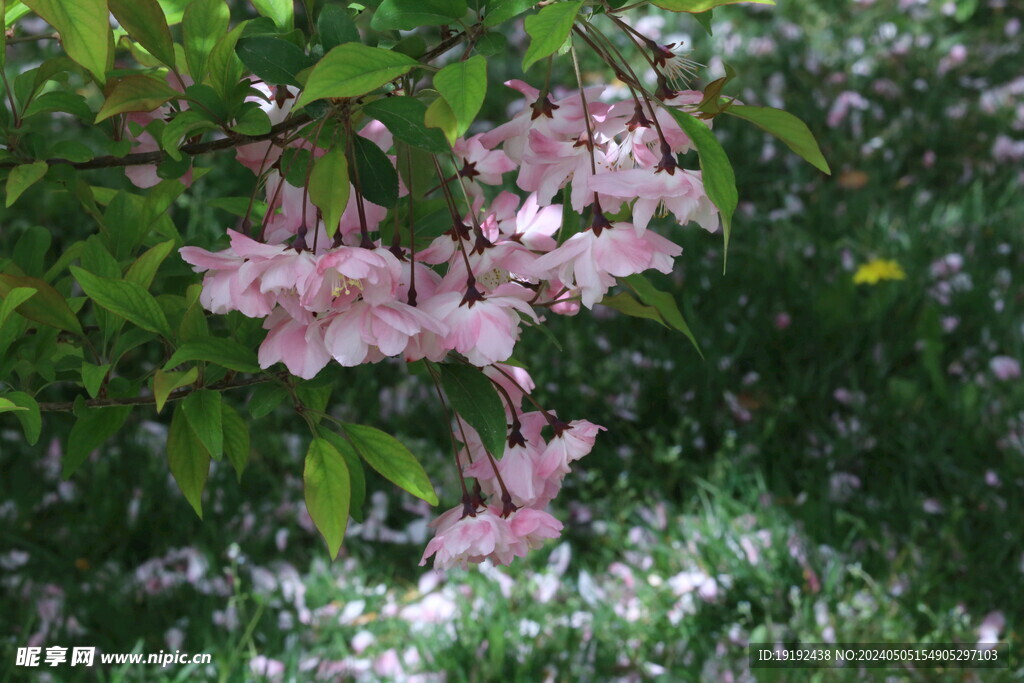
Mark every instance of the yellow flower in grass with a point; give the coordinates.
(875, 271)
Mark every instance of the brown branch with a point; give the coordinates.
(192, 149)
(149, 400)
(29, 39)
(233, 140)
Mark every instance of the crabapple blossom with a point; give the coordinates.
(343, 293)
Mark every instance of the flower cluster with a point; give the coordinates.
(342, 293)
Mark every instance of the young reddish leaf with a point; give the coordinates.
(46, 307)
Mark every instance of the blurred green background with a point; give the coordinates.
(845, 464)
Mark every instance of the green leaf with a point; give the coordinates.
(30, 250)
(204, 23)
(225, 66)
(30, 418)
(144, 269)
(329, 187)
(500, 11)
(475, 399)
(265, 399)
(92, 377)
(281, 11)
(404, 117)
(327, 492)
(23, 177)
(164, 383)
(7, 406)
(93, 427)
(335, 27)
(125, 299)
(440, 115)
(224, 352)
(697, 6)
(392, 460)
(716, 170)
(236, 438)
(185, 124)
(378, 181)
(548, 30)
(296, 164)
(202, 407)
(406, 15)
(786, 127)
(491, 45)
(59, 100)
(351, 70)
(357, 477)
(136, 93)
(704, 19)
(314, 397)
(84, 29)
(623, 302)
(174, 9)
(663, 303)
(463, 85)
(252, 120)
(188, 459)
(14, 297)
(145, 22)
(47, 307)
(272, 59)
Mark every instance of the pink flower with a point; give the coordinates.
(592, 261)
(354, 333)
(531, 527)
(1005, 368)
(680, 192)
(473, 538)
(483, 329)
(515, 381)
(299, 345)
(480, 164)
(575, 441)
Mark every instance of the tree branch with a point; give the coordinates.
(31, 39)
(150, 400)
(193, 149)
(234, 140)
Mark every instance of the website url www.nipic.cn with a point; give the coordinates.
(86, 656)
